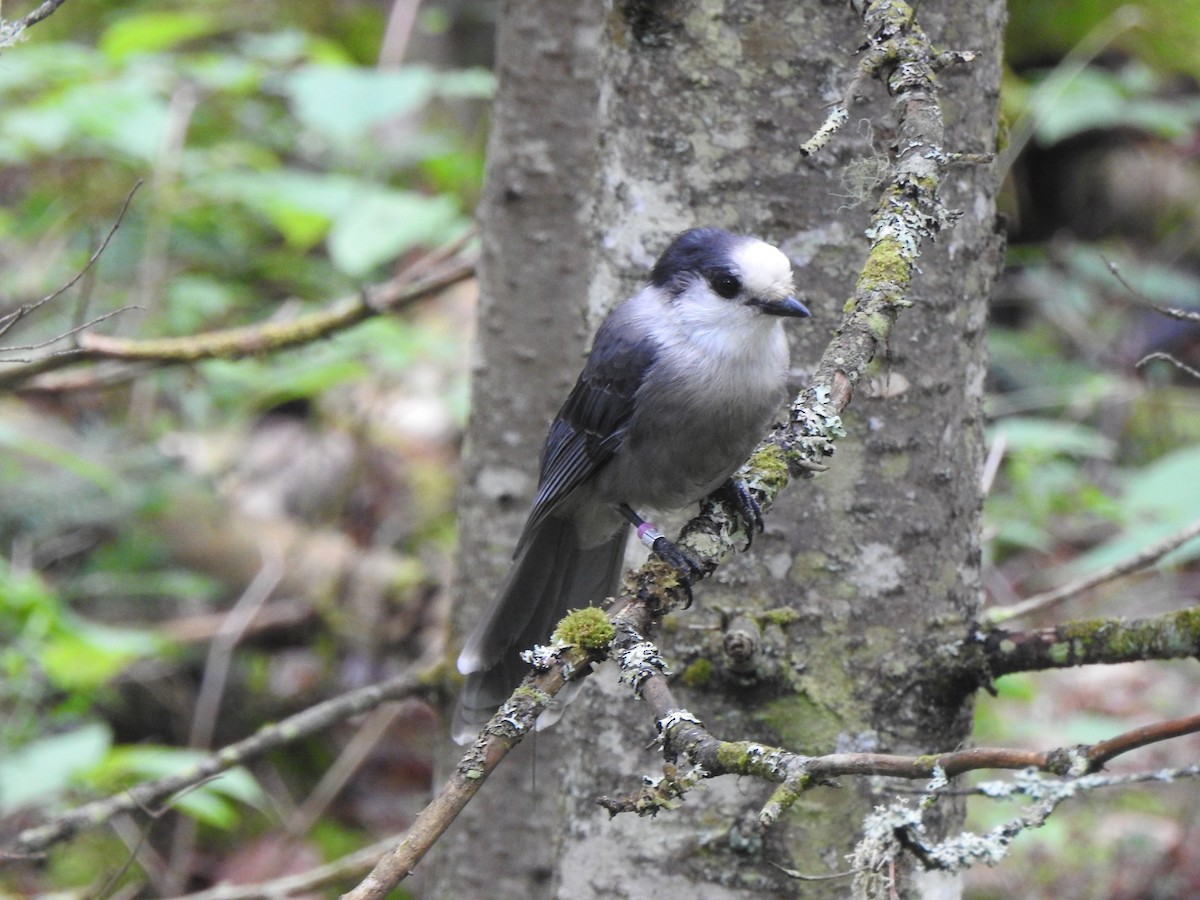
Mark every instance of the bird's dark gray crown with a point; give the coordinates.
(698, 251)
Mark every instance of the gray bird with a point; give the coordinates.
(681, 383)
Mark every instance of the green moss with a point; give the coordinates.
(880, 326)
(588, 628)
(894, 466)
(781, 616)
(772, 468)
(698, 674)
(885, 267)
(803, 725)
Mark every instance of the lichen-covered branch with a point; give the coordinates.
(11, 32)
(1082, 642)
(682, 735)
(899, 827)
(149, 794)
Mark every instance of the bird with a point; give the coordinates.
(682, 380)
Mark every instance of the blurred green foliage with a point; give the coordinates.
(278, 165)
(1167, 33)
(282, 170)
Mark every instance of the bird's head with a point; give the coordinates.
(711, 266)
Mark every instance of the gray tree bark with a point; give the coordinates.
(614, 129)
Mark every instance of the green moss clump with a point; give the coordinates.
(588, 628)
(772, 467)
(698, 674)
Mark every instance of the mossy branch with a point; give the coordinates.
(1082, 642)
(259, 339)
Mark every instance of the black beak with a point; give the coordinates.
(788, 306)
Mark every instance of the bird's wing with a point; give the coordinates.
(591, 424)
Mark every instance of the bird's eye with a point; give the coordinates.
(726, 284)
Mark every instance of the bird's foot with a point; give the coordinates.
(735, 494)
(686, 566)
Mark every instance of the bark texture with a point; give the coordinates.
(696, 110)
(532, 334)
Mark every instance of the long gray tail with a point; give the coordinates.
(552, 575)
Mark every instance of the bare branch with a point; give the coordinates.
(1177, 363)
(310, 721)
(1101, 753)
(302, 882)
(1135, 563)
(1173, 312)
(58, 337)
(265, 337)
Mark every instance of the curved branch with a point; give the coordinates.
(150, 793)
(264, 337)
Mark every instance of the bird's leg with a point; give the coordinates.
(683, 563)
(736, 495)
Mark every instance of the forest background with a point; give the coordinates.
(188, 551)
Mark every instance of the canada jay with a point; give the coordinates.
(681, 383)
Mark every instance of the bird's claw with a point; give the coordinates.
(684, 564)
(737, 495)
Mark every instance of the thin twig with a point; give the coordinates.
(66, 334)
(1173, 312)
(1138, 561)
(1177, 363)
(347, 763)
(212, 689)
(9, 320)
(220, 651)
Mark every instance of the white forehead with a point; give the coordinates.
(765, 270)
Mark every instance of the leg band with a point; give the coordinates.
(648, 534)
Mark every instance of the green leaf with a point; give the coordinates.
(128, 116)
(1050, 437)
(344, 102)
(1158, 500)
(152, 32)
(45, 767)
(385, 225)
(208, 802)
(47, 66)
(299, 204)
(254, 385)
(90, 654)
(1098, 99)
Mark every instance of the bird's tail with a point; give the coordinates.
(552, 575)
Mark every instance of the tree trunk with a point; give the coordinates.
(699, 112)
